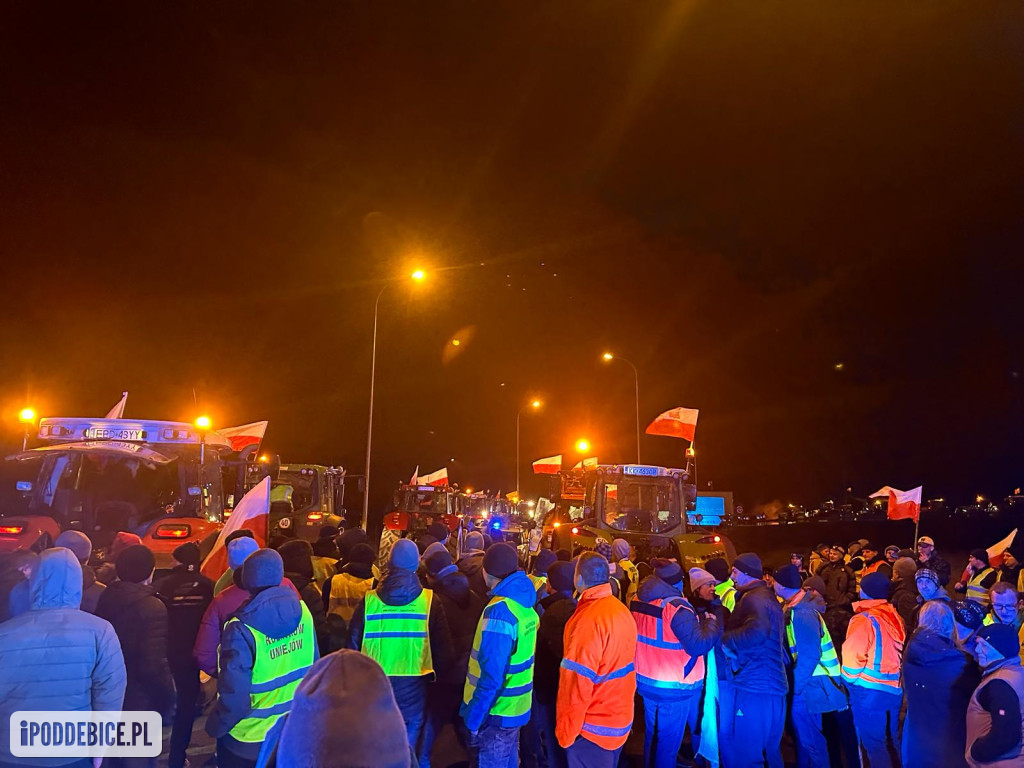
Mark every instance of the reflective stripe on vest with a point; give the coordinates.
(974, 589)
(829, 662)
(872, 676)
(632, 580)
(347, 591)
(396, 636)
(278, 667)
(539, 582)
(516, 692)
(661, 660)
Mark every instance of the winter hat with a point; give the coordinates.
(438, 530)
(668, 571)
(187, 554)
(904, 568)
(344, 714)
(968, 613)
(561, 576)
(868, 545)
(718, 568)
(1017, 550)
(239, 549)
(928, 573)
(435, 546)
(501, 560)
(749, 564)
(788, 576)
(135, 564)
(620, 548)
(122, 540)
(875, 586)
(891, 549)
(325, 547)
(1002, 637)
(363, 553)
(545, 559)
(241, 533)
(488, 541)
(698, 578)
(474, 542)
(327, 532)
(838, 548)
(424, 542)
(77, 542)
(980, 554)
(604, 548)
(815, 583)
(404, 556)
(263, 568)
(347, 540)
(439, 563)
(563, 555)
(297, 557)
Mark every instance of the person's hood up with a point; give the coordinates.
(471, 562)
(399, 587)
(518, 587)
(454, 586)
(884, 611)
(930, 649)
(653, 588)
(57, 580)
(274, 611)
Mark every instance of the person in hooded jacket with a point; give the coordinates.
(903, 591)
(139, 617)
(840, 592)
(297, 555)
(555, 609)
(187, 594)
(346, 541)
(471, 562)
(91, 672)
(224, 604)
(938, 680)
(343, 591)
(343, 714)
(267, 646)
(462, 610)
(81, 546)
(423, 652)
(107, 573)
(228, 577)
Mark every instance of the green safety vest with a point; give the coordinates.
(726, 591)
(516, 693)
(974, 589)
(278, 667)
(828, 664)
(396, 637)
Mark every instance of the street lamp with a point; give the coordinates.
(27, 417)
(582, 445)
(608, 357)
(418, 276)
(203, 425)
(534, 404)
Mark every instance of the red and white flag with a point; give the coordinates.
(117, 412)
(883, 492)
(591, 462)
(904, 505)
(252, 512)
(679, 422)
(415, 479)
(549, 466)
(996, 551)
(245, 435)
(435, 478)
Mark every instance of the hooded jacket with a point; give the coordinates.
(275, 612)
(558, 608)
(820, 693)
(874, 646)
(472, 565)
(496, 648)
(938, 680)
(91, 672)
(754, 641)
(462, 610)
(313, 599)
(140, 619)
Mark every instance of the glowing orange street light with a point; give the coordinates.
(582, 445)
(27, 416)
(418, 275)
(203, 423)
(608, 357)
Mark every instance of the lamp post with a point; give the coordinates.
(418, 276)
(27, 417)
(534, 404)
(582, 445)
(608, 357)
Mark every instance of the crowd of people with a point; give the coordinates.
(323, 656)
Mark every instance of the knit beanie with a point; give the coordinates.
(668, 571)
(435, 546)
(297, 556)
(404, 556)
(488, 541)
(563, 555)
(620, 548)
(327, 532)
(815, 583)
(968, 613)
(561, 576)
(929, 574)
(1002, 637)
(698, 578)
(875, 586)
(239, 549)
(788, 576)
(325, 547)
(135, 564)
(122, 540)
(980, 554)
(474, 542)
(187, 554)
(439, 563)
(904, 568)
(501, 560)
(1017, 550)
(424, 542)
(79, 544)
(718, 568)
(344, 714)
(749, 564)
(438, 530)
(347, 540)
(363, 553)
(263, 568)
(544, 561)
(603, 547)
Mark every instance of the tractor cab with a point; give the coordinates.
(306, 497)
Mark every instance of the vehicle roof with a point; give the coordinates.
(74, 429)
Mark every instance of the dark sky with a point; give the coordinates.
(737, 197)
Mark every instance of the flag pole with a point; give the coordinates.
(917, 525)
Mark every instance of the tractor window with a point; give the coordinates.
(641, 506)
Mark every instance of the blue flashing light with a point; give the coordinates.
(496, 525)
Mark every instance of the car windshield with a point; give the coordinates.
(641, 505)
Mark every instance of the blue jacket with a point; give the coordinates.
(754, 641)
(90, 674)
(275, 612)
(495, 652)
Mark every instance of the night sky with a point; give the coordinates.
(737, 197)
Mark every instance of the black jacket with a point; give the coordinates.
(462, 609)
(139, 618)
(472, 565)
(313, 599)
(840, 584)
(939, 565)
(187, 594)
(754, 641)
(558, 609)
(904, 599)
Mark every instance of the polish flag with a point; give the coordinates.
(252, 512)
(117, 412)
(415, 479)
(679, 422)
(434, 478)
(883, 492)
(591, 462)
(905, 505)
(245, 435)
(549, 466)
(996, 551)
